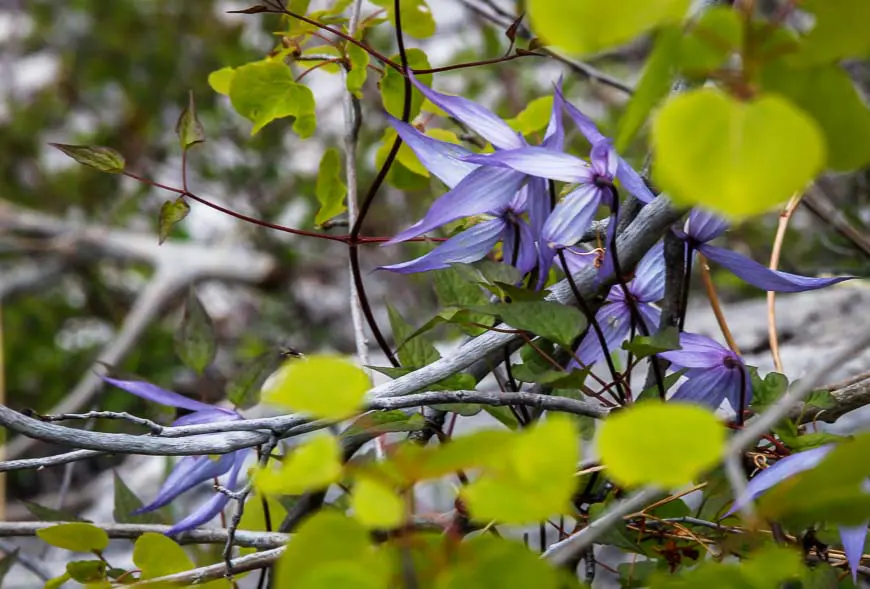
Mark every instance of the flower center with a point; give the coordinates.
(602, 181)
(730, 362)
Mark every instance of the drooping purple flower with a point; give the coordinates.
(615, 317)
(190, 471)
(478, 190)
(714, 373)
(852, 537)
(702, 227)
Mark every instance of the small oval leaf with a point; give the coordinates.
(104, 159)
(78, 537)
(171, 213)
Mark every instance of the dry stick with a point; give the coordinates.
(784, 218)
(202, 575)
(714, 304)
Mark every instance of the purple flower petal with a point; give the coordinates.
(649, 276)
(554, 136)
(151, 392)
(853, 538)
(707, 386)
(697, 351)
(525, 252)
(188, 472)
(763, 277)
(577, 259)
(480, 119)
(216, 504)
(571, 217)
(485, 190)
(632, 182)
(439, 157)
(212, 415)
(469, 246)
(584, 124)
(615, 322)
(703, 226)
(538, 161)
(652, 317)
(603, 158)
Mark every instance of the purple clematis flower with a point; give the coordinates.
(702, 227)
(190, 471)
(478, 190)
(614, 317)
(853, 537)
(714, 373)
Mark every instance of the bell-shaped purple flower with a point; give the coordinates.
(713, 372)
(853, 537)
(702, 227)
(190, 471)
(615, 317)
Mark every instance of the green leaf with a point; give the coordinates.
(662, 341)
(243, 390)
(588, 26)
(744, 157)
(104, 159)
(56, 581)
(313, 465)
(376, 505)
(485, 561)
(767, 391)
(78, 537)
(509, 489)
(195, 339)
(454, 290)
(814, 90)
(821, 399)
(332, 550)
(221, 79)
(254, 516)
(655, 82)
(86, 571)
(417, 19)
(652, 393)
(412, 351)
(359, 62)
(265, 90)
(393, 85)
(6, 563)
(711, 40)
(330, 189)
(381, 422)
(47, 514)
(771, 566)
(188, 128)
(492, 272)
(503, 415)
(638, 444)
(324, 386)
(172, 212)
(840, 31)
(554, 321)
(126, 502)
(535, 117)
(157, 556)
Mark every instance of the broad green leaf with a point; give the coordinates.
(550, 377)
(744, 157)
(254, 517)
(172, 212)
(6, 563)
(711, 40)
(330, 189)
(821, 399)
(188, 128)
(305, 124)
(816, 90)
(47, 514)
(662, 444)
(655, 83)
(417, 19)
(220, 80)
(86, 571)
(509, 489)
(243, 389)
(662, 341)
(554, 321)
(78, 537)
(324, 386)
(534, 117)
(356, 77)
(158, 555)
(104, 159)
(56, 582)
(840, 31)
(453, 289)
(195, 339)
(768, 390)
(328, 50)
(265, 90)
(376, 505)
(126, 502)
(393, 85)
(412, 351)
(332, 550)
(315, 464)
(588, 26)
(381, 422)
(487, 561)
(492, 272)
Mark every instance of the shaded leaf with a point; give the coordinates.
(412, 351)
(662, 341)
(330, 189)
(393, 84)
(244, 388)
(47, 514)
(6, 563)
(381, 422)
(171, 212)
(548, 319)
(188, 128)
(126, 502)
(104, 159)
(86, 571)
(195, 339)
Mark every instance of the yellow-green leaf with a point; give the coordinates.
(172, 212)
(328, 50)
(324, 386)
(104, 159)
(359, 62)
(188, 128)
(534, 117)
(157, 555)
(313, 465)
(330, 189)
(736, 158)
(588, 26)
(78, 537)
(376, 505)
(393, 85)
(663, 444)
(220, 80)
(417, 18)
(265, 90)
(840, 31)
(254, 516)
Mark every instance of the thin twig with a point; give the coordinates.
(784, 218)
(714, 304)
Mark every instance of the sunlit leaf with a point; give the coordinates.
(417, 18)
(104, 159)
(254, 517)
(663, 444)
(313, 465)
(195, 338)
(330, 189)
(265, 90)
(78, 537)
(220, 80)
(359, 61)
(744, 157)
(393, 84)
(840, 31)
(376, 505)
(534, 117)
(486, 561)
(172, 212)
(711, 40)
